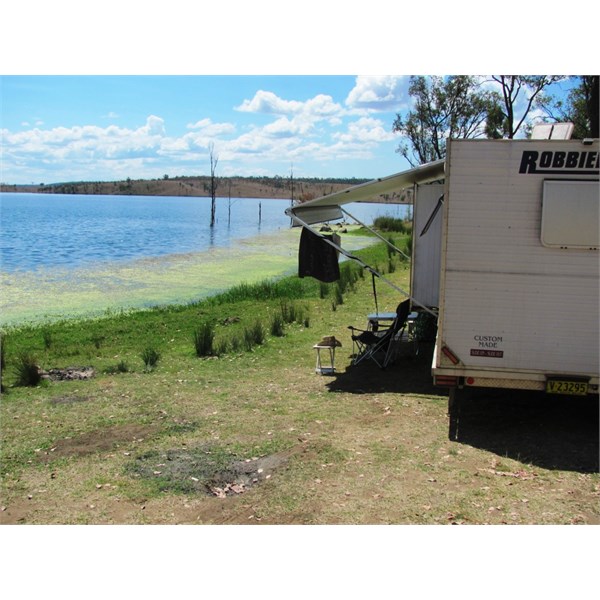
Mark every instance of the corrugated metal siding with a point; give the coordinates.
(427, 249)
(501, 282)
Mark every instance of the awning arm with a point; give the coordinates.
(361, 262)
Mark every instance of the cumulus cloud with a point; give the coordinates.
(154, 126)
(316, 129)
(320, 106)
(383, 93)
(365, 130)
(208, 128)
(270, 103)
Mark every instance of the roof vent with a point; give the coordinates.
(552, 131)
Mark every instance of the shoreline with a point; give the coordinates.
(51, 295)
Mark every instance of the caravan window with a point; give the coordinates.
(570, 214)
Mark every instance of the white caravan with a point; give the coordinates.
(505, 254)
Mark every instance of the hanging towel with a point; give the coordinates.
(317, 258)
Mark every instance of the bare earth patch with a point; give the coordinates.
(97, 441)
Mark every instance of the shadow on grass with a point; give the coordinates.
(552, 432)
(410, 374)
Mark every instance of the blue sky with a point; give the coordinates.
(65, 128)
(101, 128)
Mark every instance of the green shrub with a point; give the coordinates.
(27, 371)
(390, 224)
(204, 338)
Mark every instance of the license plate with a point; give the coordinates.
(565, 386)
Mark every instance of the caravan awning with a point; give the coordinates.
(380, 190)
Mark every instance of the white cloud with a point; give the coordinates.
(316, 129)
(208, 128)
(321, 106)
(154, 126)
(380, 93)
(366, 130)
(269, 103)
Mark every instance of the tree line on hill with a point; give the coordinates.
(302, 188)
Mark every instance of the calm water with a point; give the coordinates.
(70, 231)
(65, 256)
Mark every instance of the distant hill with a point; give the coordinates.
(234, 187)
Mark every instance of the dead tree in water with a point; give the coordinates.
(214, 159)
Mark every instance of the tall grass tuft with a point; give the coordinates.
(27, 371)
(339, 295)
(150, 357)
(277, 325)
(289, 287)
(204, 338)
(97, 340)
(221, 347)
(120, 367)
(254, 335)
(236, 344)
(289, 312)
(388, 247)
(48, 339)
(2, 363)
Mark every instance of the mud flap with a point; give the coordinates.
(453, 413)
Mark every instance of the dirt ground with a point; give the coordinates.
(378, 454)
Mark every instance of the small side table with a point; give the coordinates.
(319, 368)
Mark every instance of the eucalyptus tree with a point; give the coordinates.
(580, 107)
(518, 95)
(444, 107)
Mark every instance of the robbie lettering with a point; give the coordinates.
(559, 163)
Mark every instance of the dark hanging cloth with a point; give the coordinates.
(317, 258)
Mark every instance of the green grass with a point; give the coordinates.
(374, 455)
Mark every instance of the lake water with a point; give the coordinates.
(76, 254)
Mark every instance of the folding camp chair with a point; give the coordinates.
(380, 346)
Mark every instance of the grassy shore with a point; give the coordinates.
(212, 413)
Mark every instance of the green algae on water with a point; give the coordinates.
(53, 294)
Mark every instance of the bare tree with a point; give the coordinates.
(214, 159)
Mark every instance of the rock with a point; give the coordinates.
(68, 374)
